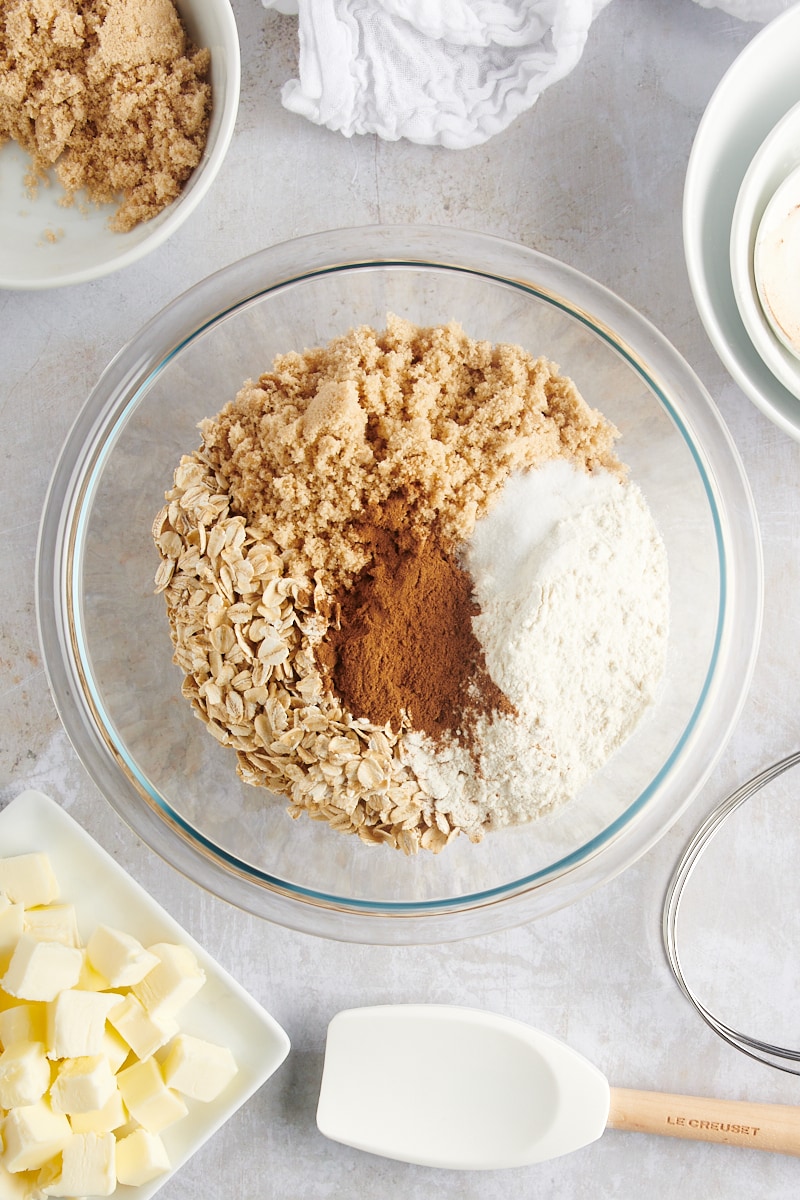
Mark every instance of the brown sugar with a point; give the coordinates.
(110, 94)
(425, 415)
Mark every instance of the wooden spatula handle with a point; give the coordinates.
(773, 1127)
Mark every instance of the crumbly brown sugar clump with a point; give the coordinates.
(110, 94)
(428, 416)
(334, 490)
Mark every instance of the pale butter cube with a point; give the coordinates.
(198, 1068)
(143, 1032)
(147, 1098)
(32, 1134)
(82, 1085)
(90, 980)
(119, 956)
(23, 1023)
(141, 1157)
(111, 1116)
(12, 917)
(53, 923)
(28, 879)
(40, 970)
(88, 1167)
(15, 1187)
(46, 1175)
(172, 982)
(24, 1074)
(76, 1022)
(114, 1048)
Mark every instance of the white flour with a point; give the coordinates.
(571, 577)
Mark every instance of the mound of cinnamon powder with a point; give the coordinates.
(403, 644)
(110, 94)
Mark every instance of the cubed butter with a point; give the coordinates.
(141, 1157)
(32, 1134)
(119, 956)
(15, 1187)
(53, 923)
(23, 1023)
(198, 1068)
(144, 1033)
(115, 1048)
(40, 970)
(45, 1176)
(12, 917)
(28, 879)
(90, 980)
(147, 1097)
(24, 1074)
(172, 982)
(77, 1057)
(88, 1167)
(111, 1116)
(82, 1085)
(76, 1022)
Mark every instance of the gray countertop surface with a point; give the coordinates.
(592, 175)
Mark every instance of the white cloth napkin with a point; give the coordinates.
(441, 72)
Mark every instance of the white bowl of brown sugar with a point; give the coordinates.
(413, 595)
(115, 118)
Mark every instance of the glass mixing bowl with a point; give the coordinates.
(106, 640)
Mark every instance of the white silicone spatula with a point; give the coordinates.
(454, 1087)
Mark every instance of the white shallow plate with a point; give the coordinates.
(772, 163)
(760, 86)
(221, 1012)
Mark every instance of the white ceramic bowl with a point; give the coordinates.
(760, 86)
(80, 246)
(772, 163)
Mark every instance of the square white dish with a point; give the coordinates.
(221, 1012)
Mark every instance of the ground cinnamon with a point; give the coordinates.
(405, 641)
